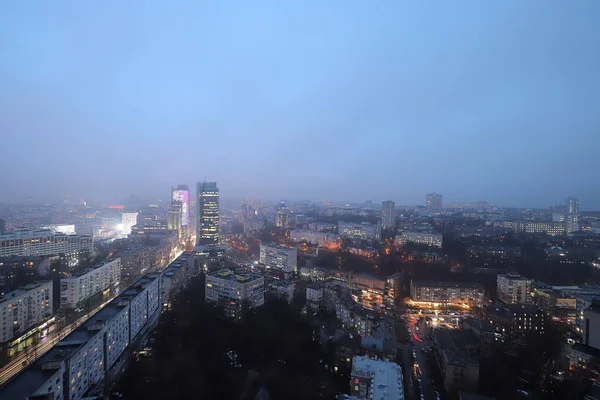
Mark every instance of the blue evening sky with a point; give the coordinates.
(335, 99)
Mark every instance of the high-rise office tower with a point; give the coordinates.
(174, 219)
(180, 196)
(207, 223)
(387, 214)
(434, 201)
(572, 218)
(2, 226)
(282, 218)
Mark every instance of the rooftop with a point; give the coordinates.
(457, 346)
(461, 285)
(386, 377)
(239, 275)
(22, 290)
(26, 383)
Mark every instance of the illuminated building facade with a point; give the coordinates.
(128, 220)
(77, 288)
(65, 229)
(514, 289)
(207, 226)
(24, 308)
(572, 217)
(429, 239)
(278, 257)
(24, 242)
(232, 288)
(180, 196)
(174, 216)
(447, 293)
(354, 231)
(549, 228)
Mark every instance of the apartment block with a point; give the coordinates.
(79, 287)
(24, 309)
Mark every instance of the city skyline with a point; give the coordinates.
(338, 101)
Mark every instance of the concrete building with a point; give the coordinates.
(514, 289)
(233, 289)
(429, 239)
(572, 216)
(65, 229)
(77, 288)
(24, 309)
(280, 289)
(25, 242)
(2, 226)
(447, 293)
(433, 201)
(549, 228)
(176, 276)
(314, 296)
(135, 261)
(174, 219)
(388, 215)
(278, 257)
(207, 223)
(376, 379)
(354, 231)
(591, 326)
(318, 238)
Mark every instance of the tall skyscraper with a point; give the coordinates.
(174, 219)
(281, 217)
(207, 223)
(433, 201)
(180, 196)
(387, 214)
(572, 217)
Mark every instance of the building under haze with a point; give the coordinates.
(433, 201)
(24, 242)
(207, 224)
(387, 214)
(2, 226)
(514, 289)
(25, 308)
(180, 197)
(572, 217)
(128, 220)
(174, 219)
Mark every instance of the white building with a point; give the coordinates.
(128, 220)
(356, 231)
(429, 239)
(79, 287)
(60, 228)
(591, 327)
(388, 214)
(279, 257)
(24, 309)
(318, 238)
(376, 379)
(314, 296)
(235, 287)
(514, 289)
(43, 243)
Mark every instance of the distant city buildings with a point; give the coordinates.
(2, 226)
(433, 201)
(429, 239)
(24, 242)
(207, 226)
(514, 289)
(549, 228)
(77, 288)
(233, 289)
(314, 237)
(278, 257)
(354, 231)
(388, 214)
(180, 198)
(24, 309)
(572, 216)
(591, 325)
(174, 219)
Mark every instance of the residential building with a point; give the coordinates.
(278, 257)
(549, 228)
(23, 242)
(517, 319)
(135, 261)
(591, 326)
(447, 293)
(281, 289)
(572, 216)
(65, 229)
(457, 351)
(429, 239)
(376, 379)
(514, 289)
(176, 276)
(79, 287)
(354, 231)
(207, 224)
(388, 214)
(313, 237)
(314, 296)
(24, 309)
(180, 199)
(233, 289)
(485, 332)
(433, 201)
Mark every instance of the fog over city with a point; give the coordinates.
(336, 100)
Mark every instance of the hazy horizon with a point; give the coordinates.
(340, 101)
